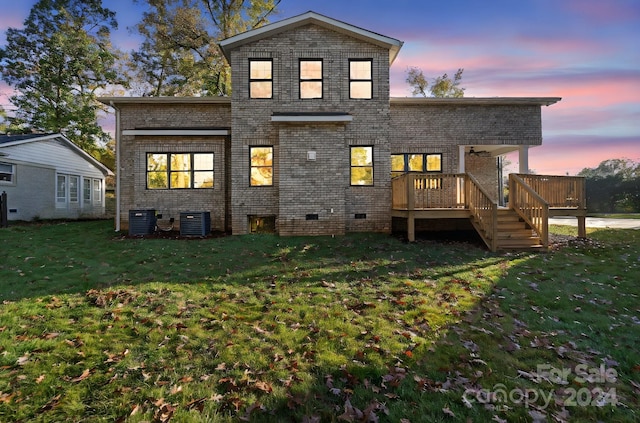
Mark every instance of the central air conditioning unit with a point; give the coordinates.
(142, 222)
(195, 223)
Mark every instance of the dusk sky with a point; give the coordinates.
(585, 51)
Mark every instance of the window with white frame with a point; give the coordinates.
(74, 188)
(86, 190)
(61, 190)
(97, 191)
(7, 172)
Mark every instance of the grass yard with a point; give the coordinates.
(95, 326)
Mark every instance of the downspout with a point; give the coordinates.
(117, 165)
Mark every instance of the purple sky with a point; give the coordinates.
(585, 51)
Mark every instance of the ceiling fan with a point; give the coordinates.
(472, 152)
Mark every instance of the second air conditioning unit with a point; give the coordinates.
(195, 223)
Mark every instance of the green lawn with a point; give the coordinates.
(96, 326)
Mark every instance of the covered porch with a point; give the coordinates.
(522, 224)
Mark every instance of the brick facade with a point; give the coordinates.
(304, 187)
(311, 159)
(133, 152)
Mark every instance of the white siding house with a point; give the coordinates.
(46, 176)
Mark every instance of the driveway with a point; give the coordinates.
(597, 222)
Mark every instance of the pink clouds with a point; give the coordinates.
(598, 11)
(560, 155)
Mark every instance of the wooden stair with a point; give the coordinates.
(514, 233)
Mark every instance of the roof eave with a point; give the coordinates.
(479, 101)
(164, 100)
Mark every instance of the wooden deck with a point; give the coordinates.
(522, 225)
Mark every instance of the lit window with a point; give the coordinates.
(397, 165)
(260, 78)
(361, 165)
(261, 166)
(180, 170)
(415, 163)
(360, 79)
(310, 78)
(403, 163)
(434, 162)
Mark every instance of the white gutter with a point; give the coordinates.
(118, 170)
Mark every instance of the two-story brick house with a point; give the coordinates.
(310, 140)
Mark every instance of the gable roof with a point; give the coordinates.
(310, 17)
(13, 140)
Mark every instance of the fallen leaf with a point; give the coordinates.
(82, 377)
(21, 361)
(448, 412)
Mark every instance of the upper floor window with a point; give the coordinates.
(260, 78)
(310, 78)
(360, 78)
(179, 170)
(7, 172)
(362, 165)
(261, 166)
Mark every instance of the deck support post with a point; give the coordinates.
(411, 205)
(582, 226)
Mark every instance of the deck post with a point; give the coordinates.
(582, 226)
(411, 205)
(4, 222)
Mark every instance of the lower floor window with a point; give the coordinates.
(61, 190)
(362, 165)
(421, 163)
(6, 172)
(261, 166)
(69, 187)
(180, 170)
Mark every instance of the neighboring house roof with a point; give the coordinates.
(13, 140)
(310, 17)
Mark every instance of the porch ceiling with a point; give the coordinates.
(494, 150)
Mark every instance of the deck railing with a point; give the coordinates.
(531, 207)
(565, 192)
(420, 191)
(484, 211)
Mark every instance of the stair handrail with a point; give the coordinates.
(530, 206)
(484, 211)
